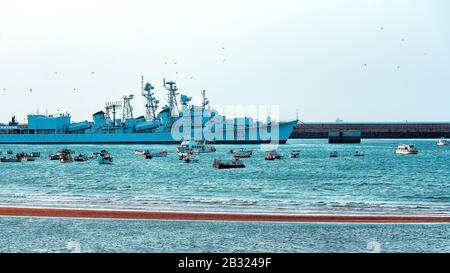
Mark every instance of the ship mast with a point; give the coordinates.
(205, 100)
(172, 96)
(127, 112)
(152, 103)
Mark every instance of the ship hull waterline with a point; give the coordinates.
(285, 130)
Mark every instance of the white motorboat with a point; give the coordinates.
(242, 153)
(141, 152)
(442, 142)
(195, 147)
(406, 149)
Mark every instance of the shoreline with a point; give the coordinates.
(212, 216)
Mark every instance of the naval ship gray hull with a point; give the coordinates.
(284, 131)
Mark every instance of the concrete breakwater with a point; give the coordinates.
(375, 130)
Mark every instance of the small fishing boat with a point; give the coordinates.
(81, 158)
(406, 149)
(65, 151)
(190, 159)
(334, 154)
(104, 157)
(181, 156)
(358, 153)
(35, 154)
(22, 155)
(10, 152)
(57, 155)
(141, 152)
(294, 154)
(231, 164)
(442, 142)
(159, 154)
(242, 153)
(273, 155)
(53, 157)
(145, 153)
(196, 147)
(233, 151)
(11, 159)
(65, 158)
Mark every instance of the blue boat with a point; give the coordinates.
(104, 157)
(171, 125)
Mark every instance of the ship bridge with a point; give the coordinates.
(48, 124)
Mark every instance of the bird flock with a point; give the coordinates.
(402, 40)
(223, 61)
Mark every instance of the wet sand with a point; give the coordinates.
(211, 216)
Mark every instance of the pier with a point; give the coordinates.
(431, 130)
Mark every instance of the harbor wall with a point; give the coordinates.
(374, 130)
(347, 136)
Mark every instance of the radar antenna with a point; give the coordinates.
(172, 96)
(152, 103)
(112, 107)
(127, 112)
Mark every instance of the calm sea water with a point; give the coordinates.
(379, 183)
(84, 235)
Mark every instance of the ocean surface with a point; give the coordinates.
(97, 235)
(381, 182)
(378, 183)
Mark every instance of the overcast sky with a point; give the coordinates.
(359, 60)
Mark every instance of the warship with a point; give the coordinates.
(172, 124)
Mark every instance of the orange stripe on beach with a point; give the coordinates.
(208, 216)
